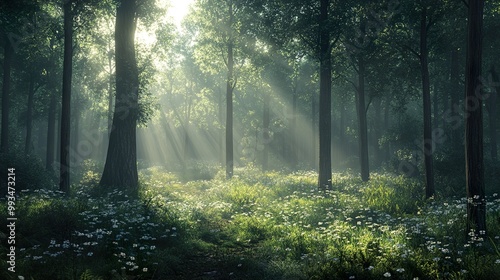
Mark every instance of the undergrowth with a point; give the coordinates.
(258, 225)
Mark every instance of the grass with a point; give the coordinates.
(256, 226)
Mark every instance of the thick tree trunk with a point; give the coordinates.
(474, 166)
(64, 180)
(492, 114)
(229, 100)
(29, 116)
(7, 62)
(325, 95)
(363, 129)
(51, 130)
(428, 145)
(121, 161)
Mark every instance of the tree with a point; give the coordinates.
(64, 180)
(120, 168)
(474, 165)
(325, 95)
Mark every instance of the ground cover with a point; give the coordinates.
(272, 225)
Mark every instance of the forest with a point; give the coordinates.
(249, 139)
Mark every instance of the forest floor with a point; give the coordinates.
(271, 225)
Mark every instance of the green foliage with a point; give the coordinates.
(29, 170)
(257, 225)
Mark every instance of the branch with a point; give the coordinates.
(465, 3)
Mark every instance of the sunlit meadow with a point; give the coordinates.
(272, 225)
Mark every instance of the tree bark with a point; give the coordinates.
(51, 130)
(7, 63)
(265, 132)
(428, 144)
(363, 129)
(492, 113)
(29, 116)
(455, 94)
(64, 167)
(121, 160)
(314, 129)
(325, 92)
(229, 99)
(474, 166)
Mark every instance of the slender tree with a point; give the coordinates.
(7, 62)
(426, 91)
(325, 97)
(64, 179)
(474, 165)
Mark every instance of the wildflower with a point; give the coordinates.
(90, 254)
(497, 261)
(370, 267)
(387, 274)
(352, 277)
(145, 269)
(20, 277)
(400, 270)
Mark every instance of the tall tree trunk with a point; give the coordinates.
(293, 131)
(266, 137)
(342, 141)
(51, 130)
(363, 129)
(7, 62)
(492, 114)
(454, 100)
(121, 160)
(377, 128)
(435, 107)
(325, 97)
(229, 99)
(314, 129)
(474, 166)
(387, 147)
(428, 145)
(29, 116)
(110, 93)
(64, 180)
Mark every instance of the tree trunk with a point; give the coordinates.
(110, 93)
(387, 150)
(293, 131)
(428, 144)
(325, 95)
(363, 129)
(51, 130)
(229, 100)
(7, 62)
(266, 136)
(492, 114)
(121, 160)
(29, 116)
(377, 128)
(64, 180)
(314, 130)
(474, 166)
(455, 94)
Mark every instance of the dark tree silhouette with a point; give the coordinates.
(66, 98)
(474, 166)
